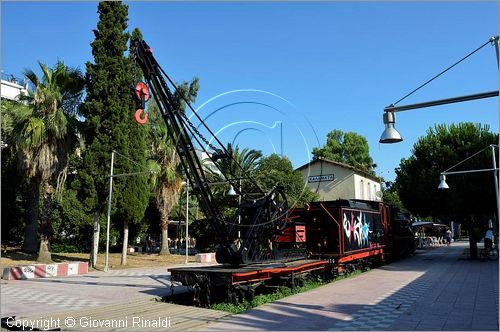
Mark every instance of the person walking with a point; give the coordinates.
(448, 237)
(488, 240)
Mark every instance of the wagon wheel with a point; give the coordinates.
(250, 295)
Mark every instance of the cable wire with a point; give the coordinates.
(441, 73)
(142, 166)
(475, 154)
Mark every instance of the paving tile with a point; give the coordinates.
(457, 328)
(403, 326)
(485, 327)
(461, 312)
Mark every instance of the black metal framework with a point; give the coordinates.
(248, 237)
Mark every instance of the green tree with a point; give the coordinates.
(110, 126)
(133, 196)
(390, 195)
(44, 135)
(248, 160)
(166, 181)
(275, 170)
(71, 222)
(471, 195)
(13, 184)
(348, 148)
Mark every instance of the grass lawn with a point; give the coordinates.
(13, 256)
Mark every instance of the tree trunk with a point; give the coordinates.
(44, 255)
(95, 240)
(164, 237)
(125, 243)
(30, 244)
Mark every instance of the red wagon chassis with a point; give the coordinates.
(224, 276)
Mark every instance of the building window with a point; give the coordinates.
(362, 190)
(368, 191)
(375, 192)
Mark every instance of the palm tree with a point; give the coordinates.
(165, 181)
(246, 158)
(44, 132)
(164, 161)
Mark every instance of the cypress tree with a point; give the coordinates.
(134, 197)
(110, 125)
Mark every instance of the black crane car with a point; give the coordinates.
(264, 243)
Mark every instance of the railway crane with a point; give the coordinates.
(264, 243)
(248, 245)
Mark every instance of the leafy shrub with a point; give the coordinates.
(64, 247)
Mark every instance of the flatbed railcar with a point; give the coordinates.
(234, 284)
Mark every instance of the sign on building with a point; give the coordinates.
(320, 178)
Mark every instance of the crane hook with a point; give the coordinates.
(141, 120)
(142, 91)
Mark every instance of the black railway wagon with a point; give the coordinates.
(346, 231)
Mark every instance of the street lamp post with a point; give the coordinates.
(496, 178)
(391, 135)
(444, 185)
(111, 176)
(187, 217)
(281, 140)
(231, 192)
(106, 264)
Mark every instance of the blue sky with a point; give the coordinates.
(313, 66)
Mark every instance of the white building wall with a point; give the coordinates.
(367, 188)
(12, 91)
(342, 185)
(347, 183)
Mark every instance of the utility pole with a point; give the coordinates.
(187, 217)
(106, 264)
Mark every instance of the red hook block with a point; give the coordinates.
(142, 91)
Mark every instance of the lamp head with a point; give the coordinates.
(442, 183)
(231, 192)
(390, 134)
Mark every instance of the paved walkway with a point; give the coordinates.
(136, 315)
(434, 290)
(42, 296)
